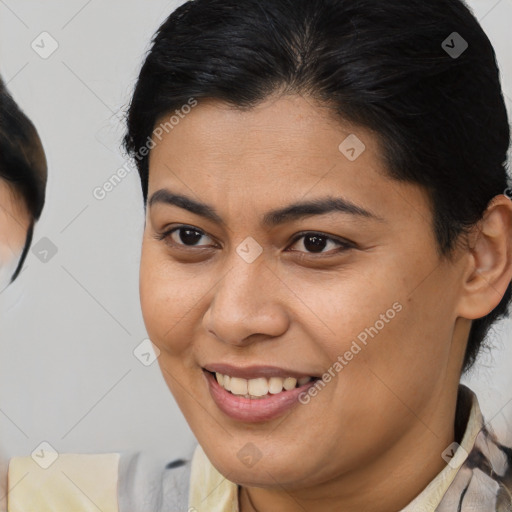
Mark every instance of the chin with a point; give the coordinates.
(244, 467)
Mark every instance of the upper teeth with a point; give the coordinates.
(258, 387)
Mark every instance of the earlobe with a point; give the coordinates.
(490, 269)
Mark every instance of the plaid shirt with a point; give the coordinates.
(484, 481)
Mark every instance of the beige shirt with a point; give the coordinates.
(478, 477)
(71, 483)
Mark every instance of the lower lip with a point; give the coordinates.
(257, 409)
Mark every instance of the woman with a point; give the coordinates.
(327, 244)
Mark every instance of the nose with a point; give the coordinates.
(246, 305)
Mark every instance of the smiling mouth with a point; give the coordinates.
(261, 387)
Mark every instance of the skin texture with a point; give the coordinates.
(382, 423)
(14, 225)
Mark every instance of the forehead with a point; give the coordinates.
(283, 149)
(284, 126)
(282, 137)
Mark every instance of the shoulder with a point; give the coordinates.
(111, 482)
(48, 481)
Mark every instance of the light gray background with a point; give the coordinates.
(69, 326)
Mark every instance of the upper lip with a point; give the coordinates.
(253, 371)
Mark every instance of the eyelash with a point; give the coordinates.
(344, 245)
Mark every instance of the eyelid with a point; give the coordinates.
(333, 238)
(343, 244)
(167, 232)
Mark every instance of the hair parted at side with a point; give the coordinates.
(442, 121)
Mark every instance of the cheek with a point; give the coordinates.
(159, 295)
(351, 305)
(149, 290)
(170, 300)
(383, 321)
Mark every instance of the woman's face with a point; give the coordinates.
(14, 225)
(358, 293)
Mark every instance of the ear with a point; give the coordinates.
(489, 270)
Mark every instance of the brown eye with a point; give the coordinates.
(188, 236)
(316, 243)
(184, 236)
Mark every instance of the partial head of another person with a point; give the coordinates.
(23, 175)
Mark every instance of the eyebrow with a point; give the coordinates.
(272, 218)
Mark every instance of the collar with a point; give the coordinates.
(430, 498)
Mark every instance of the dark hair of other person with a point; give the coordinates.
(22, 162)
